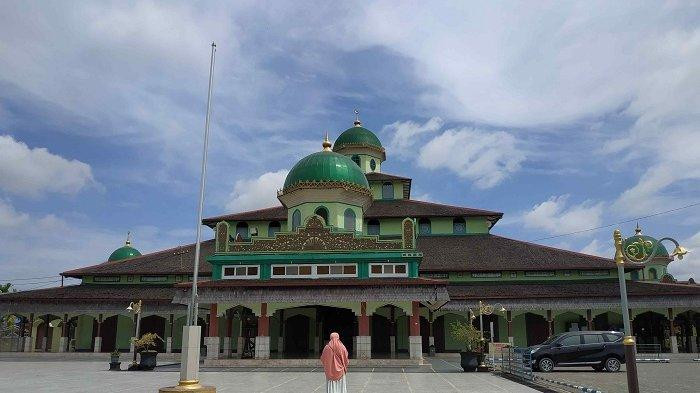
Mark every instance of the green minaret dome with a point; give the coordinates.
(639, 240)
(357, 136)
(326, 167)
(124, 252)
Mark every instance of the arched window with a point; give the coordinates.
(372, 165)
(356, 159)
(424, 226)
(323, 212)
(242, 229)
(349, 220)
(373, 227)
(273, 228)
(296, 219)
(652, 274)
(459, 226)
(387, 191)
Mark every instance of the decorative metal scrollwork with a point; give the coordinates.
(640, 249)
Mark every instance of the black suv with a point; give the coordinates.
(601, 350)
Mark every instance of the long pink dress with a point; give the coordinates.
(335, 364)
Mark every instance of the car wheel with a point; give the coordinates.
(545, 365)
(612, 365)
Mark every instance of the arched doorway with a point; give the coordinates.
(381, 327)
(45, 333)
(651, 331)
(296, 336)
(339, 320)
(154, 324)
(439, 332)
(536, 328)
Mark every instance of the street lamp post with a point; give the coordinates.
(640, 251)
(484, 309)
(135, 307)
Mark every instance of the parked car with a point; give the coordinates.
(603, 350)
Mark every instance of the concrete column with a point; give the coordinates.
(262, 340)
(509, 323)
(280, 339)
(354, 346)
(190, 353)
(392, 332)
(589, 319)
(63, 341)
(672, 331)
(97, 347)
(212, 339)
(169, 339)
(550, 322)
(28, 347)
(239, 347)
(415, 342)
(317, 338)
(131, 346)
(229, 332)
(364, 341)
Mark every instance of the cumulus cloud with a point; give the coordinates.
(556, 216)
(601, 249)
(689, 266)
(256, 193)
(33, 171)
(484, 157)
(405, 134)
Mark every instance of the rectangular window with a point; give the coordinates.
(240, 272)
(314, 271)
(435, 275)
(154, 278)
(486, 274)
(107, 279)
(539, 273)
(594, 272)
(388, 270)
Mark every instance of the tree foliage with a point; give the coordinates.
(466, 334)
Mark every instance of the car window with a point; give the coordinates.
(611, 338)
(592, 339)
(551, 339)
(570, 340)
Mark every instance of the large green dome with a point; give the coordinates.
(357, 136)
(326, 167)
(124, 252)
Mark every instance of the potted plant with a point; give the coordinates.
(114, 363)
(470, 338)
(145, 347)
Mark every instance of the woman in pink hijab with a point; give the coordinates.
(335, 363)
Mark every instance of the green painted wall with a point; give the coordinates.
(136, 279)
(83, 332)
(376, 188)
(336, 213)
(125, 330)
(559, 275)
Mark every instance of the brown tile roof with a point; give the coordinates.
(375, 176)
(496, 253)
(396, 208)
(178, 260)
(569, 289)
(329, 282)
(95, 293)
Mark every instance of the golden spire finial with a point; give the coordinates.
(326, 143)
(128, 239)
(617, 237)
(638, 230)
(357, 121)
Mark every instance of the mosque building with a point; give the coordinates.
(348, 250)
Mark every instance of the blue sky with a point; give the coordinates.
(565, 116)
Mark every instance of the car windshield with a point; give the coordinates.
(551, 339)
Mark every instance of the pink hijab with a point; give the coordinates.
(335, 358)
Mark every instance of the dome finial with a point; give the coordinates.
(326, 143)
(128, 239)
(357, 121)
(638, 230)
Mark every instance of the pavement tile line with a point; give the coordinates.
(287, 381)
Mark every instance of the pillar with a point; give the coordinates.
(364, 341)
(28, 347)
(392, 333)
(97, 347)
(280, 339)
(431, 336)
(317, 336)
(672, 332)
(44, 341)
(133, 339)
(415, 342)
(589, 318)
(693, 338)
(262, 341)
(509, 323)
(229, 332)
(550, 322)
(212, 339)
(63, 341)
(169, 339)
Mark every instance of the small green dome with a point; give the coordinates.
(124, 252)
(326, 166)
(357, 136)
(639, 245)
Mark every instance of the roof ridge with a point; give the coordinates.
(553, 248)
(455, 206)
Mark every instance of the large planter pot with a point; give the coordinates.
(469, 360)
(148, 360)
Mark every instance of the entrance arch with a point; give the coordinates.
(537, 328)
(296, 335)
(154, 324)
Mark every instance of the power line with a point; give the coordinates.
(618, 223)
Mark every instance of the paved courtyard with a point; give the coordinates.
(653, 378)
(83, 376)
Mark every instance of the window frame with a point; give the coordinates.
(382, 264)
(314, 271)
(224, 276)
(243, 224)
(371, 223)
(420, 224)
(353, 220)
(384, 188)
(455, 222)
(270, 226)
(319, 211)
(296, 219)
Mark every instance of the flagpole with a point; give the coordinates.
(191, 332)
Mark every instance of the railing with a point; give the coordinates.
(516, 362)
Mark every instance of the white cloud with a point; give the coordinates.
(598, 248)
(556, 217)
(405, 134)
(689, 266)
(256, 193)
(31, 172)
(484, 157)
